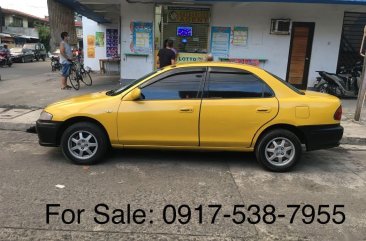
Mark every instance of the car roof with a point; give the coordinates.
(215, 64)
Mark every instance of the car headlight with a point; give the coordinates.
(45, 116)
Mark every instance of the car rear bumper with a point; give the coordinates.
(48, 132)
(322, 136)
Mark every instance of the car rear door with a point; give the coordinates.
(235, 104)
(167, 114)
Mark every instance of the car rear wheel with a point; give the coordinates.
(278, 150)
(84, 143)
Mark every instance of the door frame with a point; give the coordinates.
(311, 26)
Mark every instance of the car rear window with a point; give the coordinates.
(287, 84)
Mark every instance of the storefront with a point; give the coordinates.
(187, 26)
(290, 39)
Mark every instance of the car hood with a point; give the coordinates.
(80, 100)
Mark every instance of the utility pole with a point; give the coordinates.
(1, 20)
(362, 90)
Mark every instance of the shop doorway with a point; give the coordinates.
(300, 54)
(187, 26)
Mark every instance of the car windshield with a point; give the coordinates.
(287, 84)
(29, 46)
(125, 87)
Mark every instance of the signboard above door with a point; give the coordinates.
(188, 15)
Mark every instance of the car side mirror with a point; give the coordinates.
(135, 94)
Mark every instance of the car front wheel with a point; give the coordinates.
(84, 143)
(278, 150)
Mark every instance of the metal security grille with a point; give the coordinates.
(185, 16)
(198, 42)
(353, 25)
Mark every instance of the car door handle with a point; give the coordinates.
(264, 109)
(186, 110)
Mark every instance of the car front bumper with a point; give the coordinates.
(322, 136)
(48, 132)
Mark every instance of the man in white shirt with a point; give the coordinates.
(65, 60)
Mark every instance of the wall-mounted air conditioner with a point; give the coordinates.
(281, 26)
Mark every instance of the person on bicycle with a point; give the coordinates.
(65, 59)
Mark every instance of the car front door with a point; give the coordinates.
(235, 105)
(167, 113)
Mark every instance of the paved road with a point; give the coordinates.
(19, 70)
(35, 85)
(153, 179)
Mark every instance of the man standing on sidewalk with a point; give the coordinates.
(65, 59)
(166, 56)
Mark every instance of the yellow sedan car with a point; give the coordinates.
(199, 106)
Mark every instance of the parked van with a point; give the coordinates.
(38, 49)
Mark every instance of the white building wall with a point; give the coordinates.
(261, 45)
(89, 28)
(133, 67)
(275, 48)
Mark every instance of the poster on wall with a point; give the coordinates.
(91, 46)
(240, 36)
(91, 40)
(141, 37)
(99, 39)
(91, 52)
(112, 42)
(220, 41)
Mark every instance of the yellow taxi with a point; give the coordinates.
(199, 106)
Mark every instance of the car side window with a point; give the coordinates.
(185, 85)
(236, 85)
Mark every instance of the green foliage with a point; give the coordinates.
(44, 35)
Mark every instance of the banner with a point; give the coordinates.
(220, 41)
(254, 62)
(188, 15)
(191, 57)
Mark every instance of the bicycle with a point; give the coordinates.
(77, 74)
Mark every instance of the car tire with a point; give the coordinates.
(86, 148)
(278, 150)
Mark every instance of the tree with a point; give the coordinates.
(44, 35)
(61, 19)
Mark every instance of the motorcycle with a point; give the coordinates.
(343, 84)
(55, 63)
(5, 59)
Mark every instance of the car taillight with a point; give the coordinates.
(338, 114)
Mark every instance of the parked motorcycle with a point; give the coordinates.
(55, 63)
(5, 59)
(343, 84)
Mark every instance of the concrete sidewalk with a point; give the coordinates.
(24, 119)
